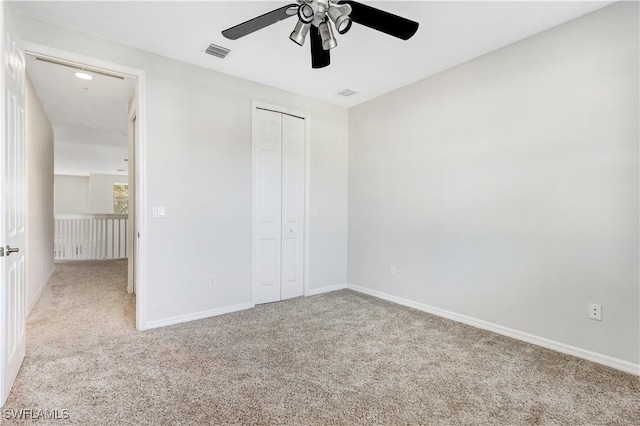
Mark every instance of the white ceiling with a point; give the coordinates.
(89, 118)
(367, 61)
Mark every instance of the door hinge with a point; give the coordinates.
(1, 251)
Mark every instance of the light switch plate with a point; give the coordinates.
(158, 212)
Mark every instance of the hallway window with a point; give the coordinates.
(121, 199)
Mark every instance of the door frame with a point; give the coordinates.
(140, 155)
(132, 240)
(255, 105)
(2, 218)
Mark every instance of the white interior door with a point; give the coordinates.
(292, 206)
(12, 217)
(278, 206)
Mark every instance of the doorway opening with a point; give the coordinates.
(106, 165)
(89, 111)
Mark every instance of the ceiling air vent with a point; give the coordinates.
(347, 92)
(217, 51)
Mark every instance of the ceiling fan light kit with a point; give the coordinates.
(319, 17)
(299, 34)
(307, 12)
(328, 40)
(339, 15)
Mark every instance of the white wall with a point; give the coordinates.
(506, 189)
(39, 172)
(82, 158)
(101, 192)
(86, 194)
(198, 167)
(71, 194)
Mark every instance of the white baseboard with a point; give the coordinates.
(42, 287)
(327, 289)
(616, 363)
(197, 316)
(226, 310)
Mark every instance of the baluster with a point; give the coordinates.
(119, 236)
(113, 240)
(126, 238)
(93, 239)
(104, 238)
(72, 223)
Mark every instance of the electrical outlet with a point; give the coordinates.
(212, 281)
(595, 311)
(392, 271)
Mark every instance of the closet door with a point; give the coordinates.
(277, 246)
(266, 245)
(292, 206)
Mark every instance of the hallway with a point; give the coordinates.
(85, 294)
(85, 313)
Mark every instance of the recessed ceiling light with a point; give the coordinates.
(83, 75)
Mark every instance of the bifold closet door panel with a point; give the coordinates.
(293, 136)
(267, 207)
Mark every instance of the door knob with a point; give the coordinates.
(12, 250)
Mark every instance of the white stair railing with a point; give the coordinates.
(90, 236)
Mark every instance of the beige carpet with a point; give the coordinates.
(338, 358)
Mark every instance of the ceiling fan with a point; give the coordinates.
(318, 17)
